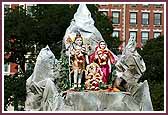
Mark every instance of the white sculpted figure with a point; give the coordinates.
(130, 66)
(42, 92)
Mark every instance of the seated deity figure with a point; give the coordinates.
(93, 76)
(104, 58)
(78, 60)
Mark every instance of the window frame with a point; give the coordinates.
(118, 18)
(160, 23)
(8, 68)
(118, 32)
(133, 18)
(145, 18)
(133, 32)
(155, 33)
(144, 37)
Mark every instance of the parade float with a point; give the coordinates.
(87, 57)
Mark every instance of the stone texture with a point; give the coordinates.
(110, 101)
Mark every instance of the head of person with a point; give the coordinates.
(78, 39)
(102, 45)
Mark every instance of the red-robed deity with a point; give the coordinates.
(104, 58)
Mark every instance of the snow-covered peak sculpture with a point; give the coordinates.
(84, 24)
(44, 64)
(83, 16)
(42, 92)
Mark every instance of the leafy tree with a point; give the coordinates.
(51, 22)
(153, 55)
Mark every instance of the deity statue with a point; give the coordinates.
(104, 58)
(93, 76)
(78, 58)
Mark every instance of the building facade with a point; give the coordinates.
(143, 21)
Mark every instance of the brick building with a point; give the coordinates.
(144, 21)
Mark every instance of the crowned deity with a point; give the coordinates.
(78, 59)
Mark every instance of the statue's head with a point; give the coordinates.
(93, 67)
(78, 39)
(102, 45)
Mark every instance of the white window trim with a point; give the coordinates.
(117, 29)
(143, 30)
(157, 30)
(158, 11)
(132, 11)
(145, 11)
(118, 10)
(103, 10)
(133, 29)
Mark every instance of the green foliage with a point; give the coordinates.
(153, 55)
(63, 82)
(14, 86)
(19, 24)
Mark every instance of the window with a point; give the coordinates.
(145, 5)
(6, 8)
(115, 17)
(145, 18)
(115, 5)
(133, 18)
(158, 5)
(145, 37)
(157, 19)
(133, 5)
(6, 68)
(133, 34)
(29, 66)
(156, 34)
(29, 10)
(116, 34)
